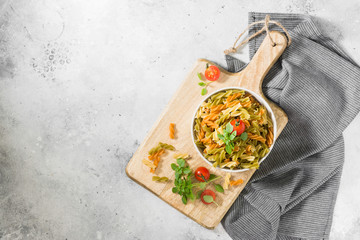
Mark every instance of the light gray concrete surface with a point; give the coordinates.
(81, 82)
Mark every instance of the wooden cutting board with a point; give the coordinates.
(180, 111)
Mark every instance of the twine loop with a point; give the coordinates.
(266, 23)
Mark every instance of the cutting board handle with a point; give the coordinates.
(263, 60)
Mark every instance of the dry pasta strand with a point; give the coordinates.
(154, 155)
(211, 124)
(256, 137)
(227, 181)
(234, 96)
(212, 146)
(236, 182)
(181, 155)
(156, 161)
(246, 104)
(246, 122)
(148, 163)
(236, 148)
(270, 137)
(206, 140)
(201, 134)
(172, 130)
(231, 104)
(217, 108)
(248, 149)
(211, 117)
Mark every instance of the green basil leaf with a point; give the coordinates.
(203, 91)
(208, 198)
(226, 135)
(202, 84)
(174, 190)
(184, 199)
(202, 185)
(244, 136)
(212, 176)
(181, 162)
(199, 76)
(198, 194)
(219, 188)
(188, 181)
(187, 170)
(228, 149)
(191, 196)
(233, 135)
(229, 128)
(221, 136)
(174, 166)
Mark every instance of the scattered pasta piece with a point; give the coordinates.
(181, 155)
(167, 146)
(227, 181)
(148, 163)
(172, 130)
(160, 146)
(160, 179)
(154, 155)
(236, 182)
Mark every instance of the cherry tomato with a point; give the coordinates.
(202, 173)
(238, 126)
(212, 73)
(209, 193)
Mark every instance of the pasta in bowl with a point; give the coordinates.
(234, 129)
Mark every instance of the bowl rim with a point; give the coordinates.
(261, 100)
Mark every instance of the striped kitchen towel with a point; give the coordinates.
(292, 195)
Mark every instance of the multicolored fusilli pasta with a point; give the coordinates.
(219, 110)
(172, 130)
(154, 155)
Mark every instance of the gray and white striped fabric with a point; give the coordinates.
(292, 195)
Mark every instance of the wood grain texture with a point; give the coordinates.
(180, 111)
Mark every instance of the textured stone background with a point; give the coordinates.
(81, 82)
